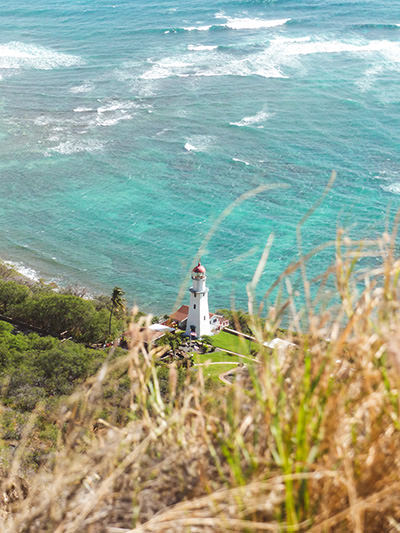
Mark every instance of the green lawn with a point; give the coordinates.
(224, 358)
(216, 357)
(233, 343)
(214, 371)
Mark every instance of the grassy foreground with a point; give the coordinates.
(309, 440)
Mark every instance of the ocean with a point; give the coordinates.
(128, 127)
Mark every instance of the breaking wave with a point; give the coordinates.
(112, 121)
(211, 64)
(251, 23)
(116, 105)
(392, 187)
(25, 271)
(82, 109)
(18, 55)
(197, 28)
(238, 23)
(305, 46)
(261, 116)
(199, 143)
(76, 146)
(237, 160)
(267, 63)
(84, 88)
(201, 47)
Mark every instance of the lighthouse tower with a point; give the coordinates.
(198, 321)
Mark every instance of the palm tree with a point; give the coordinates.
(117, 303)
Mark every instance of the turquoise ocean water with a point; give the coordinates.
(127, 127)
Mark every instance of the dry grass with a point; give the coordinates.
(310, 441)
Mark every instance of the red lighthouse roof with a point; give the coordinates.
(199, 268)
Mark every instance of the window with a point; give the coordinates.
(194, 306)
(204, 318)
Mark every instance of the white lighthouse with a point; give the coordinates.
(198, 321)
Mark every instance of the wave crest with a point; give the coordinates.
(211, 64)
(261, 116)
(76, 146)
(84, 88)
(237, 23)
(24, 270)
(199, 143)
(253, 24)
(201, 47)
(18, 55)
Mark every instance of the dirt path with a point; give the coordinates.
(222, 377)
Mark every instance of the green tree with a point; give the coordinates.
(12, 293)
(172, 340)
(237, 320)
(117, 304)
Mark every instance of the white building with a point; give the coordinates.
(198, 321)
(195, 318)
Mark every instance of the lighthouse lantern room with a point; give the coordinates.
(198, 321)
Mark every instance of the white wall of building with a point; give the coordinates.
(199, 315)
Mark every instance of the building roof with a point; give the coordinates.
(160, 328)
(181, 314)
(199, 268)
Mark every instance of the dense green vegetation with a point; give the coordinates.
(53, 313)
(34, 368)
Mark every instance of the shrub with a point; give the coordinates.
(11, 294)
(54, 313)
(33, 367)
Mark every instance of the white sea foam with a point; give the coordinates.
(84, 88)
(112, 121)
(110, 113)
(240, 161)
(116, 105)
(82, 109)
(238, 23)
(261, 116)
(199, 143)
(43, 120)
(198, 28)
(73, 146)
(383, 55)
(24, 270)
(392, 187)
(306, 46)
(211, 64)
(283, 52)
(252, 24)
(167, 67)
(201, 47)
(190, 148)
(270, 62)
(17, 55)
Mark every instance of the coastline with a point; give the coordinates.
(23, 274)
(26, 275)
